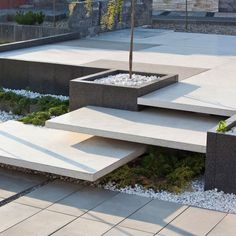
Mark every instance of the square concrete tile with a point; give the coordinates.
(82, 201)
(117, 208)
(153, 216)
(48, 194)
(226, 227)
(122, 231)
(13, 213)
(84, 227)
(194, 221)
(41, 224)
(13, 182)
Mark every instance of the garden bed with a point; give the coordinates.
(114, 95)
(31, 108)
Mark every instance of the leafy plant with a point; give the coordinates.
(114, 10)
(29, 18)
(35, 111)
(222, 127)
(160, 170)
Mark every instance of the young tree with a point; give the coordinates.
(108, 20)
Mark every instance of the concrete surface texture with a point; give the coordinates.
(65, 153)
(212, 91)
(152, 126)
(60, 208)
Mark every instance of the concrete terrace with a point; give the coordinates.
(32, 205)
(210, 89)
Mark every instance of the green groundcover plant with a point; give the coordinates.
(34, 110)
(159, 169)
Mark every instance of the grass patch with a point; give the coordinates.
(35, 111)
(160, 169)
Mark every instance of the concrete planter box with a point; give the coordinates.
(84, 91)
(221, 159)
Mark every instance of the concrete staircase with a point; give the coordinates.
(152, 126)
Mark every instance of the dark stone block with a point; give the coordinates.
(41, 77)
(221, 160)
(84, 91)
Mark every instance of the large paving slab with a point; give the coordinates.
(226, 227)
(194, 221)
(181, 71)
(154, 216)
(173, 129)
(116, 209)
(48, 194)
(82, 201)
(42, 224)
(12, 182)
(14, 213)
(61, 152)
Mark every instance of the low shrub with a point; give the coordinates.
(29, 18)
(159, 170)
(35, 111)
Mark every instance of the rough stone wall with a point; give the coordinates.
(90, 24)
(193, 5)
(227, 5)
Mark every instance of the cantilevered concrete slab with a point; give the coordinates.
(64, 153)
(207, 93)
(173, 129)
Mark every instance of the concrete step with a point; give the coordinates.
(64, 153)
(166, 128)
(185, 96)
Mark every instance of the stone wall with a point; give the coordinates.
(193, 5)
(89, 24)
(14, 33)
(227, 5)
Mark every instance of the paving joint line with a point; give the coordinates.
(172, 220)
(216, 224)
(82, 215)
(24, 192)
(127, 217)
(41, 209)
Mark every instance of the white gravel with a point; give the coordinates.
(32, 95)
(124, 80)
(213, 199)
(5, 116)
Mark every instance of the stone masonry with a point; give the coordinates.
(193, 5)
(90, 23)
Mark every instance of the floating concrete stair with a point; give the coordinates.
(64, 153)
(188, 97)
(166, 128)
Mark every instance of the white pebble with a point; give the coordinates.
(212, 199)
(32, 95)
(124, 80)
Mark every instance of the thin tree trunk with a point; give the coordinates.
(186, 15)
(54, 13)
(131, 39)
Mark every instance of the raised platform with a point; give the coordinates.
(203, 94)
(64, 153)
(159, 127)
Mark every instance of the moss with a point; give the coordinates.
(159, 170)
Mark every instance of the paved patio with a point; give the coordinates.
(59, 208)
(211, 91)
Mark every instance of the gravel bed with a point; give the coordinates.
(5, 116)
(213, 199)
(124, 80)
(32, 95)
